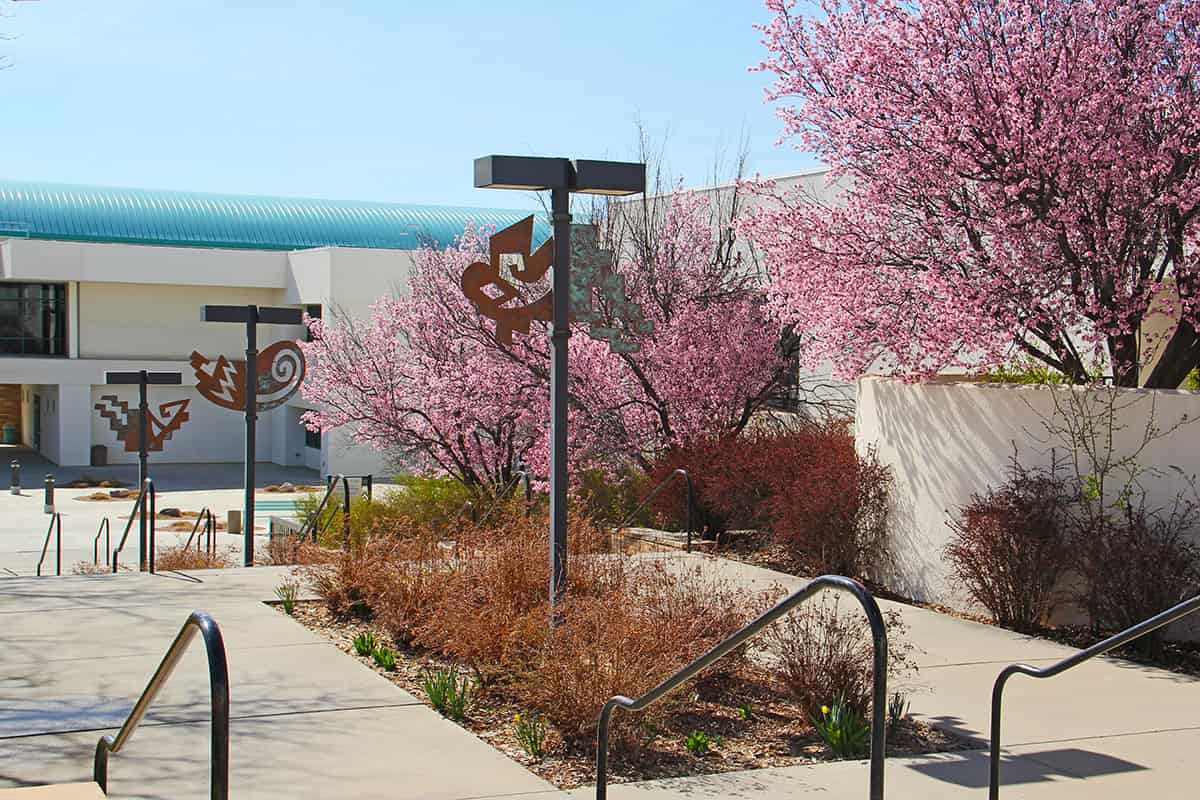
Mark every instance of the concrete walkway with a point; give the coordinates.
(310, 722)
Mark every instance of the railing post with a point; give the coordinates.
(58, 544)
(153, 520)
(346, 514)
(689, 499)
(15, 477)
(528, 492)
(49, 502)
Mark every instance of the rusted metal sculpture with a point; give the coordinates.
(125, 422)
(594, 286)
(222, 381)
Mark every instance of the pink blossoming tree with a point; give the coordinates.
(1018, 179)
(426, 379)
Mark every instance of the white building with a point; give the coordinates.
(98, 279)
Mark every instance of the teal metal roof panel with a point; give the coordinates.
(193, 219)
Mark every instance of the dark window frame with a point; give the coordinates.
(33, 320)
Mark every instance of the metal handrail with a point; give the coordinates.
(518, 476)
(204, 516)
(1150, 625)
(218, 681)
(310, 524)
(55, 524)
(689, 500)
(878, 693)
(138, 512)
(106, 529)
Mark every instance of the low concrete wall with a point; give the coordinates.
(947, 440)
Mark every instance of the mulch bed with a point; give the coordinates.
(774, 734)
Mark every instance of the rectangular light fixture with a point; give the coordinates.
(225, 314)
(272, 315)
(522, 172)
(609, 177)
(134, 378)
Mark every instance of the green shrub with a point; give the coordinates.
(365, 644)
(846, 731)
(385, 658)
(448, 692)
(420, 504)
(897, 711)
(530, 731)
(287, 593)
(697, 743)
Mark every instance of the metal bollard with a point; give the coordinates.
(49, 509)
(15, 480)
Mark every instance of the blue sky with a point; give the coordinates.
(374, 100)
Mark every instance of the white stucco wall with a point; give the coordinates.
(55, 261)
(129, 320)
(947, 440)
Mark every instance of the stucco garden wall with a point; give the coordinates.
(946, 440)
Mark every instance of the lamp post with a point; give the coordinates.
(562, 177)
(251, 316)
(143, 378)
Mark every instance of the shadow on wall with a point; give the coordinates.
(947, 440)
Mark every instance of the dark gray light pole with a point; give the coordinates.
(563, 178)
(251, 316)
(142, 379)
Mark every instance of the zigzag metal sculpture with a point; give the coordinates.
(125, 422)
(591, 274)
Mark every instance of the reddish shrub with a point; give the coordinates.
(824, 653)
(1012, 545)
(1137, 563)
(805, 484)
(828, 504)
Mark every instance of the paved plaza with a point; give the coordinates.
(188, 487)
(310, 722)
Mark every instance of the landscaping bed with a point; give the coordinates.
(748, 722)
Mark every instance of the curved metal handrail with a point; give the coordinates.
(138, 512)
(689, 500)
(106, 530)
(218, 681)
(1150, 625)
(55, 524)
(878, 693)
(204, 516)
(518, 477)
(310, 524)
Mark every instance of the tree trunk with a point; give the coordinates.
(1179, 357)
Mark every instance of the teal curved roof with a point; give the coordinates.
(195, 219)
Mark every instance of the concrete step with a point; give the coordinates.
(59, 791)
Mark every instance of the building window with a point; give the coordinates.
(33, 319)
(314, 312)
(312, 439)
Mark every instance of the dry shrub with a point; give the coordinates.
(499, 576)
(289, 550)
(1136, 565)
(1012, 545)
(180, 557)
(824, 653)
(624, 640)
